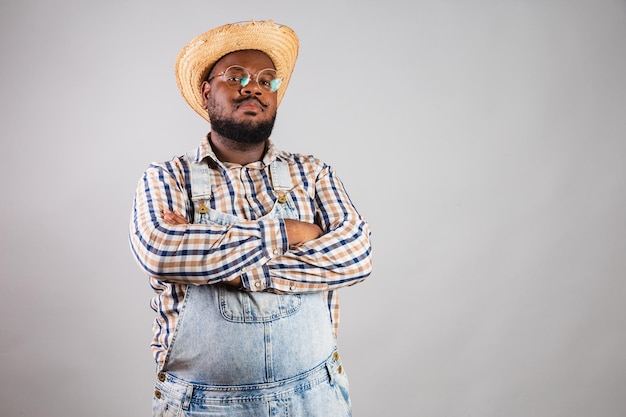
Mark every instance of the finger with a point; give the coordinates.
(180, 218)
(174, 218)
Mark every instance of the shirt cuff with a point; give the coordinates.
(275, 243)
(274, 237)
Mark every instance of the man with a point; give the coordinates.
(246, 245)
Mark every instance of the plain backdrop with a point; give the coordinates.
(484, 141)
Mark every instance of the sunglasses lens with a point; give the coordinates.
(237, 77)
(268, 81)
(275, 83)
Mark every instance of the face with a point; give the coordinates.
(246, 114)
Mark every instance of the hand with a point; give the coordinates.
(300, 232)
(175, 219)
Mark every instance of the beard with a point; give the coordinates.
(246, 133)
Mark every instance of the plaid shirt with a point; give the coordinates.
(255, 249)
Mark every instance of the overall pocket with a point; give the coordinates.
(256, 307)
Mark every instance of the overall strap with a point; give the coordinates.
(200, 179)
(281, 179)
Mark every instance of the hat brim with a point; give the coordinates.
(196, 59)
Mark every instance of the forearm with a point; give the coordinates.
(339, 257)
(198, 254)
(195, 253)
(336, 259)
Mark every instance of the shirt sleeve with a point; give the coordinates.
(340, 257)
(194, 253)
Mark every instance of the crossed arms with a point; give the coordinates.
(268, 254)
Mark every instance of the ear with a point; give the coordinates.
(206, 88)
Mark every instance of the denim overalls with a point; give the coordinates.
(240, 353)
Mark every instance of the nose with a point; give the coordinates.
(252, 88)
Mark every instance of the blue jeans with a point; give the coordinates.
(239, 353)
(319, 392)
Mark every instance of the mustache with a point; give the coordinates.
(244, 99)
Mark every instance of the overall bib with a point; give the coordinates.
(239, 353)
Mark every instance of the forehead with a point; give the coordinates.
(250, 59)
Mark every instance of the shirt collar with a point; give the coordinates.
(206, 151)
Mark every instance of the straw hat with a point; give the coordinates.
(197, 58)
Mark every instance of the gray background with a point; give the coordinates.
(483, 140)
